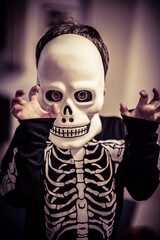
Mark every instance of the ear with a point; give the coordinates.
(104, 93)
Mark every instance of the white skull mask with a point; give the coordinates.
(71, 74)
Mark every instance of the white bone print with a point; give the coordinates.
(82, 205)
(80, 193)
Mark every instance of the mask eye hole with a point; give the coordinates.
(83, 96)
(54, 95)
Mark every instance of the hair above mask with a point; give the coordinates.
(70, 26)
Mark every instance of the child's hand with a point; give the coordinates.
(22, 109)
(149, 111)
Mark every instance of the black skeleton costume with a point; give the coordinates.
(79, 194)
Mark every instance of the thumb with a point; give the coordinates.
(124, 109)
(54, 111)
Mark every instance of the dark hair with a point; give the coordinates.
(70, 26)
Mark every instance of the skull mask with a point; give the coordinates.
(71, 74)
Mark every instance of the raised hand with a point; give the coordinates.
(144, 110)
(23, 109)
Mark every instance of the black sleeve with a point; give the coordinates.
(22, 164)
(141, 173)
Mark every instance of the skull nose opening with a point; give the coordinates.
(67, 109)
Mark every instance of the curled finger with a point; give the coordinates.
(143, 97)
(15, 110)
(33, 93)
(17, 100)
(20, 93)
(156, 97)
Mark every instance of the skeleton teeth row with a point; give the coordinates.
(70, 132)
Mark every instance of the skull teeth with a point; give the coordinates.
(70, 132)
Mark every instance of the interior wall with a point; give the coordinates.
(132, 33)
(114, 21)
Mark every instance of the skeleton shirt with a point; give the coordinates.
(78, 193)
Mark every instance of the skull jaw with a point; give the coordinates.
(68, 140)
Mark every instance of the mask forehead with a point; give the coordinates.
(70, 58)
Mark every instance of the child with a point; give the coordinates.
(67, 165)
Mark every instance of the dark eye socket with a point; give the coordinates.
(83, 96)
(54, 95)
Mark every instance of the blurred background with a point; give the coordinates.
(131, 31)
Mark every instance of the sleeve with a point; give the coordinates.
(22, 164)
(141, 174)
